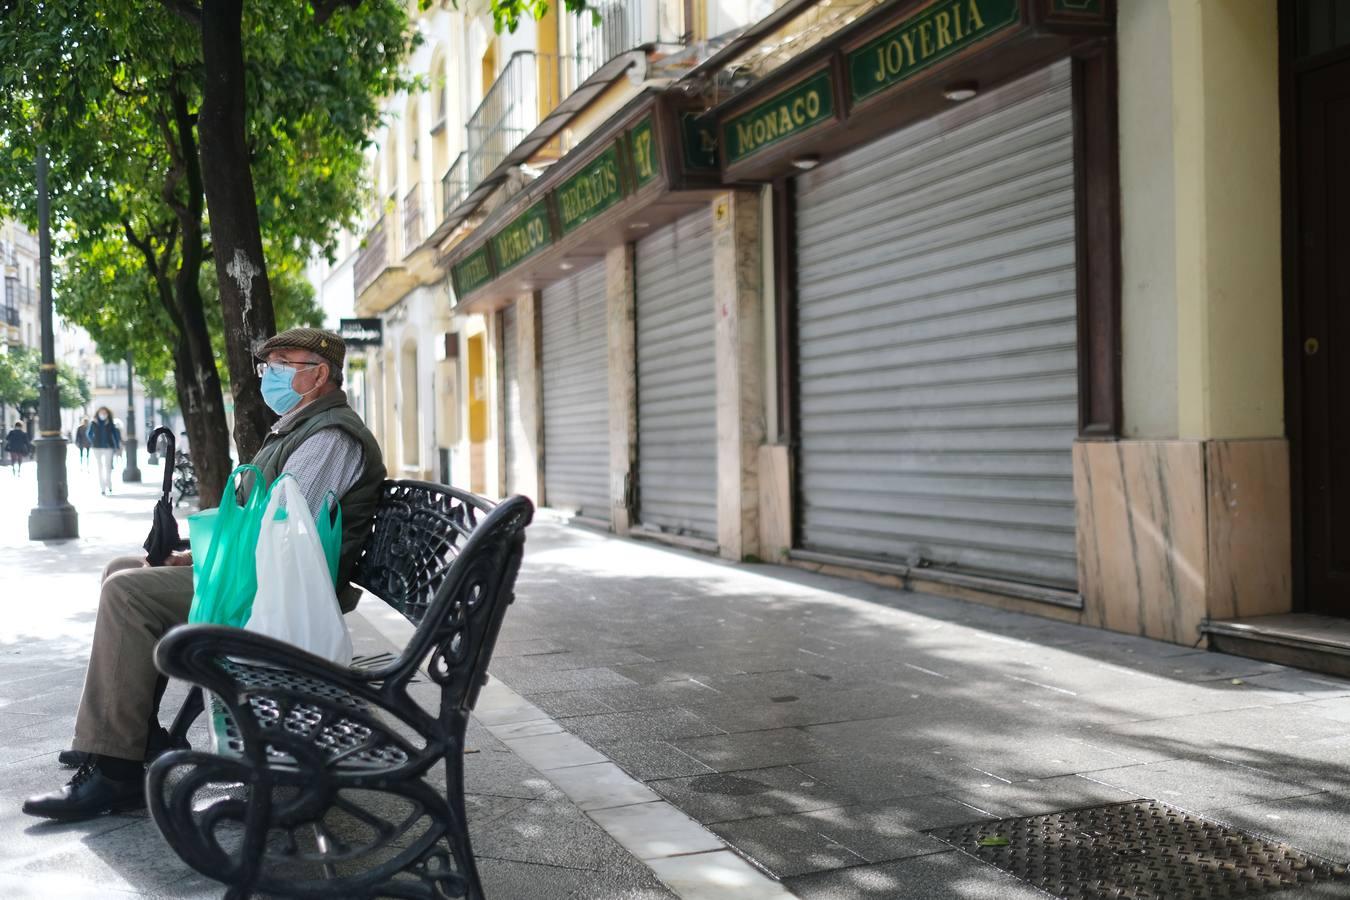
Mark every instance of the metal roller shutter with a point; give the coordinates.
(575, 360)
(676, 390)
(937, 341)
(512, 429)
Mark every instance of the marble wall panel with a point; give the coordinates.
(1141, 536)
(1173, 532)
(775, 502)
(1250, 561)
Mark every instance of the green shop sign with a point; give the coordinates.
(527, 234)
(591, 191)
(699, 141)
(474, 271)
(786, 115)
(940, 31)
(642, 143)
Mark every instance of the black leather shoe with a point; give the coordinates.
(90, 793)
(157, 743)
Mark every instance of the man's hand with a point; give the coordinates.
(179, 559)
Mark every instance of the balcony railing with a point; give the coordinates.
(372, 259)
(412, 219)
(624, 25)
(527, 89)
(11, 315)
(455, 185)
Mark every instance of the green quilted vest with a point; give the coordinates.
(359, 503)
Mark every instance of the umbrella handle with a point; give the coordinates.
(168, 465)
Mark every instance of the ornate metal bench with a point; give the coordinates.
(321, 783)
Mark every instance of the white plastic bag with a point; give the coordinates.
(296, 602)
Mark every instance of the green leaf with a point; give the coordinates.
(993, 841)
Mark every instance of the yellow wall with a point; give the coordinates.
(1201, 219)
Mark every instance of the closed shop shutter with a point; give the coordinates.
(512, 429)
(575, 359)
(936, 332)
(676, 391)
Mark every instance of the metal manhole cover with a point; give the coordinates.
(1141, 850)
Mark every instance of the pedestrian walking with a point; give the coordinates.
(82, 441)
(18, 446)
(322, 443)
(106, 441)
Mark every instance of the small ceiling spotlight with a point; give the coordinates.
(960, 91)
(566, 266)
(639, 226)
(806, 163)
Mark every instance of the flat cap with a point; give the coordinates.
(313, 340)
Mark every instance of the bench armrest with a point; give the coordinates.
(193, 653)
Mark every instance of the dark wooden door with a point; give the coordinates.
(1322, 297)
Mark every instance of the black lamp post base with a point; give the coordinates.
(53, 523)
(53, 519)
(132, 473)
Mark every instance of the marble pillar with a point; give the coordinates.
(529, 373)
(621, 331)
(739, 343)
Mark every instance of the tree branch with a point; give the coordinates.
(157, 267)
(186, 10)
(324, 9)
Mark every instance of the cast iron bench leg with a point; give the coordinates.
(187, 714)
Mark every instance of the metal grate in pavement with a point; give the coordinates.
(1141, 850)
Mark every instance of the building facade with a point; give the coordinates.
(1029, 302)
(19, 321)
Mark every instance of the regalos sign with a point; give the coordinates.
(942, 30)
(785, 115)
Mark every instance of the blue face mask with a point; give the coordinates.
(277, 391)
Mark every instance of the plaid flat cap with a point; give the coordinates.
(314, 340)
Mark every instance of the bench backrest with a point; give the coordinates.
(447, 560)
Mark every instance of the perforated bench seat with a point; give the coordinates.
(343, 742)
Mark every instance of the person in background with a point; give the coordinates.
(18, 446)
(106, 441)
(82, 441)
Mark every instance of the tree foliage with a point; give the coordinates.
(113, 89)
(19, 387)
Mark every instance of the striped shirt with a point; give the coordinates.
(328, 460)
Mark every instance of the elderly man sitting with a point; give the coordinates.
(320, 441)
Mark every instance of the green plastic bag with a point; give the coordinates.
(224, 541)
(330, 532)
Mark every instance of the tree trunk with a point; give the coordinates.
(209, 462)
(236, 241)
(206, 400)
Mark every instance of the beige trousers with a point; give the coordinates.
(136, 606)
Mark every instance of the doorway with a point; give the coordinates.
(1317, 230)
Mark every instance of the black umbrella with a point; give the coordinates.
(163, 538)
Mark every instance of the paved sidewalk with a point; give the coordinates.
(817, 726)
(820, 725)
(531, 841)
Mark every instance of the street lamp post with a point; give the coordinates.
(53, 518)
(131, 474)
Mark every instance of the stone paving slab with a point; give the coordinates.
(856, 716)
